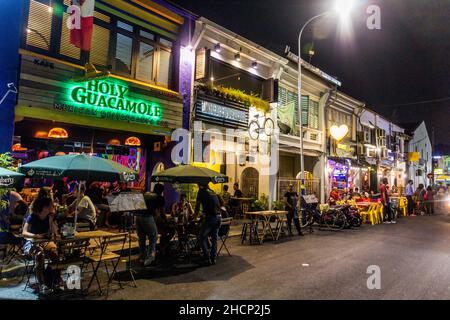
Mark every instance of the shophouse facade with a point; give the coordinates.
(120, 100)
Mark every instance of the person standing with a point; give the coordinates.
(209, 201)
(429, 201)
(385, 201)
(291, 198)
(146, 225)
(409, 196)
(237, 192)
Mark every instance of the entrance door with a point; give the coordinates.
(250, 182)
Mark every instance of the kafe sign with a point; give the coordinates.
(115, 97)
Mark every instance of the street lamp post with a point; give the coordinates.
(342, 7)
(299, 83)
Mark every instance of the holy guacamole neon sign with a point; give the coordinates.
(113, 99)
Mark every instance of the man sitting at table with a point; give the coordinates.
(209, 201)
(6, 236)
(40, 225)
(85, 210)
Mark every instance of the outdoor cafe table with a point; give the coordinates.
(274, 233)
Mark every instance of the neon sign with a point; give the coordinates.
(111, 96)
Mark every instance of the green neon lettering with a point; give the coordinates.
(111, 102)
(78, 95)
(131, 106)
(92, 85)
(120, 105)
(142, 108)
(102, 102)
(122, 91)
(92, 98)
(104, 87)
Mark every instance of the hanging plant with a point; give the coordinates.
(237, 96)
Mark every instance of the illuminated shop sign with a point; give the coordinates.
(110, 99)
(221, 114)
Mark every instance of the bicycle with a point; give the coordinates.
(255, 129)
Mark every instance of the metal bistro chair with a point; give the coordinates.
(224, 225)
(71, 252)
(105, 256)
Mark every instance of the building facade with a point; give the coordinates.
(120, 100)
(420, 157)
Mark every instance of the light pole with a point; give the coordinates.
(342, 7)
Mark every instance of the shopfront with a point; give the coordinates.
(118, 99)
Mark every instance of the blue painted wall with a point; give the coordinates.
(10, 24)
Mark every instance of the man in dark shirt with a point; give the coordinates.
(237, 192)
(146, 225)
(209, 201)
(291, 198)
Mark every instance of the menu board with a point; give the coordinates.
(127, 202)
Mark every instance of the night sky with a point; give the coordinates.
(407, 61)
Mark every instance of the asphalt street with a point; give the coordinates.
(413, 256)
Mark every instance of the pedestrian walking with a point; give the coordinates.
(409, 196)
(429, 201)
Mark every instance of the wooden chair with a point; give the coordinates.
(226, 222)
(104, 256)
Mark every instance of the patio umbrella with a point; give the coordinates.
(9, 178)
(189, 174)
(79, 167)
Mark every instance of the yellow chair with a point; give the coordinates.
(404, 206)
(380, 212)
(370, 215)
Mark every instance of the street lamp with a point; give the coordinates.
(342, 9)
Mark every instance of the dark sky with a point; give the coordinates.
(407, 61)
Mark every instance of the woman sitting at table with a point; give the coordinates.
(183, 213)
(39, 226)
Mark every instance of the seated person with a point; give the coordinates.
(39, 225)
(334, 196)
(85, 210)
(185, 215)
(356, 194)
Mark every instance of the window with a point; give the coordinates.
(165, 62)
(144, 70)
(100, 46)
(39, 27)
(66, 48)
(124, 26)
(124, 50)
(314, 114)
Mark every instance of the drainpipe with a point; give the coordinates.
(324, 158)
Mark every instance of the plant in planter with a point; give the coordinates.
(261, 204)
(278, 205)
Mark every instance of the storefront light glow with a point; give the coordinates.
(113, 96)
(58, 133)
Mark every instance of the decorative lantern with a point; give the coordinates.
(133, 141)
(58, 133)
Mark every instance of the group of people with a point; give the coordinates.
(39, 224)
(424, 200)
(185, 219)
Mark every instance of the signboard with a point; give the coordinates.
(225, 114)
(127, 202)
(413, 156)
(110, 99)
(438, 171)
